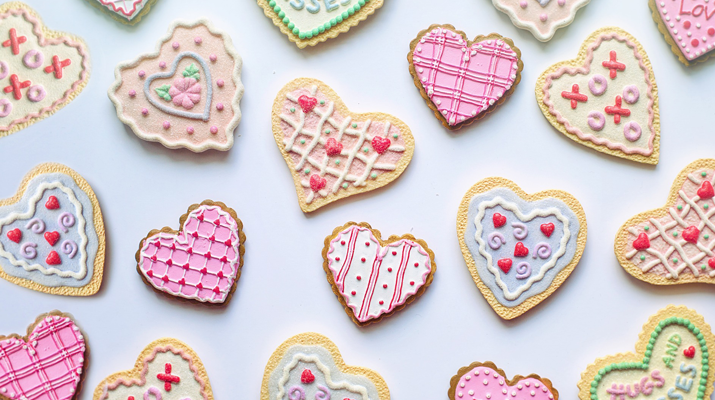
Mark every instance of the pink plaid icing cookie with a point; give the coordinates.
(47, 364)
(332, 152)
(485, 381)
(462, 81)
(186, 93)
(540, 17)
(202, 261)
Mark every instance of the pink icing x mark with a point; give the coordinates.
(201, 262)
(691, 25)
(484, 383)
(46, 367)
(185, 92)
(463, 80)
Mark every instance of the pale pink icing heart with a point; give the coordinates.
(691, 24)
(486, 383)
(463, 81)
(48, 366)
(201, 262)
(375, 280)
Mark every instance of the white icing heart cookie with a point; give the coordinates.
(540, 17)
(52, 234)
(186, 93)
(125, 11)
(41, 70)
(606, 98)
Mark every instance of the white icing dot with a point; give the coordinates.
(533, 393)
(501, 382)
(503, 391)
(474, 53)
(551, 396)
(697, 25)
(460, 394)
(662, 4)
(474, 112)
(519, 386)
(464, 50)
(419, 49)
(486, 382)
(513, 393)
(536, 385)
(527, 383)
(672, 24)
(491, 102)
(677, 18)
(421, 70)
(690, 34)
(489, 395)
(466, 58)
(675, 31)
(667, 18)
(438, 102)
(476, 373)
(461, 384)
(543, 389)
(471, 392)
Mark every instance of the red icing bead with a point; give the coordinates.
(53, 258)
(362, 259)
(190, 250)
(186, 266)
(150, 273)
(695, 42)
(203, 271)
(353, 293)
(213, 238)
(228, 242)
(686, 24)
(201, 217)
(498, 220)
(307, 376)
(216, 290)
(15, 235)
(165, 278)
(52, 237)
(52, 203)
(153, 258)
(520, 250)
(642, 242)
(689, 352)
(547, 229)
(382, 302)
(217, 222)
(389, 269)
(394, 253)
(706, 191)
(182, 281)
(505, 264)
(417, 265)
(711, 263)
(367, 244)
(359, 277)
(691, 234)
(199, 285)
(224, 259)
(342, 242)
(157, 244)
(195, 235)
(412, 283)
(711, 31)
(337, 258)
(220, 274)
(208, 255)
(169, 262)
(380, 144)
(384, 286)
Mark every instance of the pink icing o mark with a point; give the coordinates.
(598, 84)
(4, 70)
(484, 383)
(152, 391)
(596, 120)
(185, 92)
(36, 93)
(33, 59)
(631, 94)
(6, 107)
(632, 131)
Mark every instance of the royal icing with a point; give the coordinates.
(125, 9)
(484, 382)
(610, 100)
(185, 94)
(690, 24)
(201, 262)
(462, 80)
(540, 17)
(41, 70)
(47, 365)
(375, 280)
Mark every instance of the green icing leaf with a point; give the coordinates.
(163, 92)
(192, 71)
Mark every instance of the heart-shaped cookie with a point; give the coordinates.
(672, 360)
(674, 244)
(606, 98)
(166, 369)
(543, 17)
(186, 93)
(484, 380)
(688, 26)
(374, 278)
(48, 363)
(41, 70)
(52, 234)
(309, 366)
(125, 11)
(309, 22)
(202, 261)
(376, 147)
(519, 247)
(461, 80)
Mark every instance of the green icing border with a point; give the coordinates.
(649, 348)
(323, 28)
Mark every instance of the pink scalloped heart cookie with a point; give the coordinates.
(202, 261)
(688, 26)
(540, 17)
(484, 381)
(462, 81)
(605, 99)
(41, 71)
(332, 152)
(186, 93)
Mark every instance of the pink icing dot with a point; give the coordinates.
(142, 74)
(219, 106)
(162, 65)
(213, 57)
(197, 40)
(562, 3)
(214, 130)
(523, 4)
(219, 83)
(145, 111)
(190, 130)
(167, 124)
(175, 45)
(543, 17)
(132, 93)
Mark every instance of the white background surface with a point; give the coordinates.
(283, 290)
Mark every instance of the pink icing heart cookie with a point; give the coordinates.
(186, 93)
(606, 98)
(202, 261)
(310, 125)
(125, 11)
(462, 81)
(167, 369)
(540, 17)
(47, 364)
(483, 380)
(374, 278)
(674, 244)
(41, 71)
(688, 26)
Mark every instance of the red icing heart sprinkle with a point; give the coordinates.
(220, 274)
(216, 290)
(15, 235)
(153, 258)
(380, 144)
(53, 258)
(203, 270)
(505, 264)
(691, 234)
(228, 242)
(190, 250)
(333, 147)
(182, 281)
(548, 229)
(52, 203)
(711, 263)
(224, 259)
(498, 220)
(207, 255)
(642, 242)
(201, 217)
(169, 262)
(689, 352)
(307, 376)
(150, 274)
(706, 191)
(165, 278)
(195, 235)
(199, 285)
(307, 103)
(520, 250)
(52, 237)
(317, 183)
(213, 238)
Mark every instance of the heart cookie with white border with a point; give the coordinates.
(375, 278)
(674, 244)
(519, 247)
(332, 152)
(688, 26)
(52, 234)
(484, 380)
(166, 369)
(125, 11)
(540, 17)
(606, 98)
(672, 360)
(309, 366)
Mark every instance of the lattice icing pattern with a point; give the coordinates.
(126, 8)
(331, 151)
(463, 80)
(201, 262)
(682, 242)
(483, 382)
(46, 367)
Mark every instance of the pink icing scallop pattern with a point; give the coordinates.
(484, 383)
